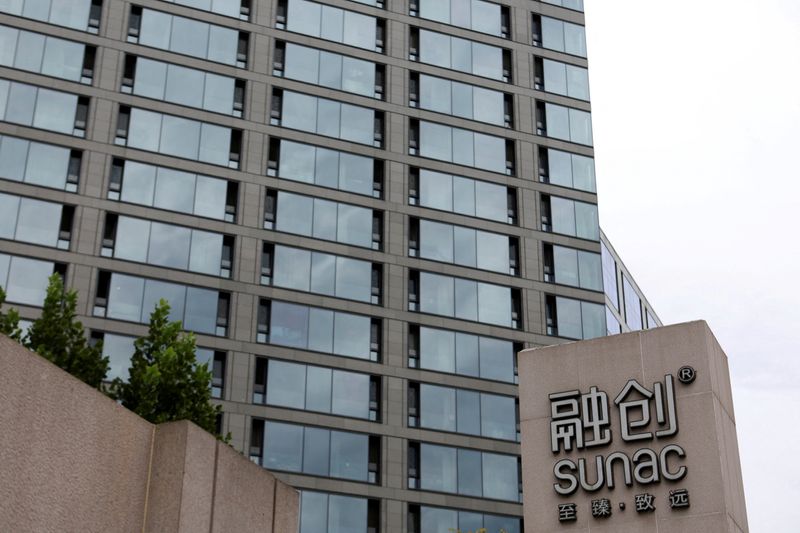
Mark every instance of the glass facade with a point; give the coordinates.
(360, 207)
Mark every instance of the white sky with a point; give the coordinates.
(696, 112)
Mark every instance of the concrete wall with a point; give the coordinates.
(74, 460)
(706, 430)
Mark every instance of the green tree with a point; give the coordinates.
(166, 382)
(9, 321)
(59, 337)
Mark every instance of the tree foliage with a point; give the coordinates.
(166, 382)
(9, 320)
(59, 337)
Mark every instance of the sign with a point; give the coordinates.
(629, 431)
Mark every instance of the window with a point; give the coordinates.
(335, 513)
(633, 305)
(120, 348)
(612, 324)
(25, 280)
(230, 8)
(46, 55)
(465, 196)
(187, 36)
(35, 221)
(455, 53)
(561, 78)
(577, 5)
(462, 353)
(609, 275)
(178, 136)
(318, 451)
(131, 298)
(174, 190)
(464, 299)
(464, 471)
(476, 15)
(316, 388)
(462, 411)
(81, 15)
(566, 170)
(558, 35)
(323, 219)
(327, 117)
(41, 164)
(183, 85)
(574, 319)
(331, 23)
(570, 217)
(167, 245)
(463, 246)
(652, 321)
(568, 266)
(460, 100)
(462, 147)
(42, 108)
(318, 330)
(423, 518)
(564, 123)
(325, 167)
(327, 69)
(321, 273)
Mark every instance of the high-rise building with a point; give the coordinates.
(364, 209)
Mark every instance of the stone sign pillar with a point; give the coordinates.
(631, 433)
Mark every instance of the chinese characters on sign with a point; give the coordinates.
(582, 420)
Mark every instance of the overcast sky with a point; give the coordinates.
(696, 113)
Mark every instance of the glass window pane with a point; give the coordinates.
(586, 224)
(119, 349)
(352, 335)
(316, 451)
(358, 76)
(9, 209)
(324, 219)
(461, 55)
(144, 131)
(497, 359)
(133, 236)
(464, 195)
(299, 111)
(356, 173)
(463, 147)
(301, 63)
(566, 266)
(569, 318)
(189, 37)
(289, 325)
(8, 42)
(304, 17)
(491, 201)
(490, 153)
(206, 254)
(179, 137)
(201, 310)
(318, 390)
(73, 14)
(577, 82)
(467, 299)
(559, 168)
(487, 61)
(500, 476)
(488, 106)
(222, 45)
(563, 215)
(138, 185)
(28, 280)
(555, 76)
(169, 246)
(462, 99)
(332, 23)
(13, 155)
(493, 252)
(320, 330)
(125, 298)
(283, 447)
(346, 515)
(174, 190)
(437, 349)
(358, 124)
(594, 320)
(464, 243)
(557, 121)
(29, 51)
(210, 197)
(435, 141)
(583, 173)
(467, 354)
(292, 268)
(286, 384)
(218, 95)
(434, 94)
(155, 29)
(329, 117)
(327, 167)
(185, 86)
(436, 241)
(150, 79)
(313, 512)
(580, 127)
(498, 417)
(297, 161)
(359, 30)
(434, 48)
(354, 225)
(323, 273)
(353, 279)
(437, 294)
(437, 407)
(63, 59)
(469, 473)
(494, 304)
(553, 34)
(574, 39)
(349, 455)
(350, 394)
(432, 518)
(469, 412)
(486, 17)
(294, 213)
(174, 294)
(438, 468)
(436, 190)
(591, 271)
(38, 222)
(55, 111)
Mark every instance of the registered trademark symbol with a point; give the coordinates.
(686, 374)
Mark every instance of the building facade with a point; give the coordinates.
(363, 209)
